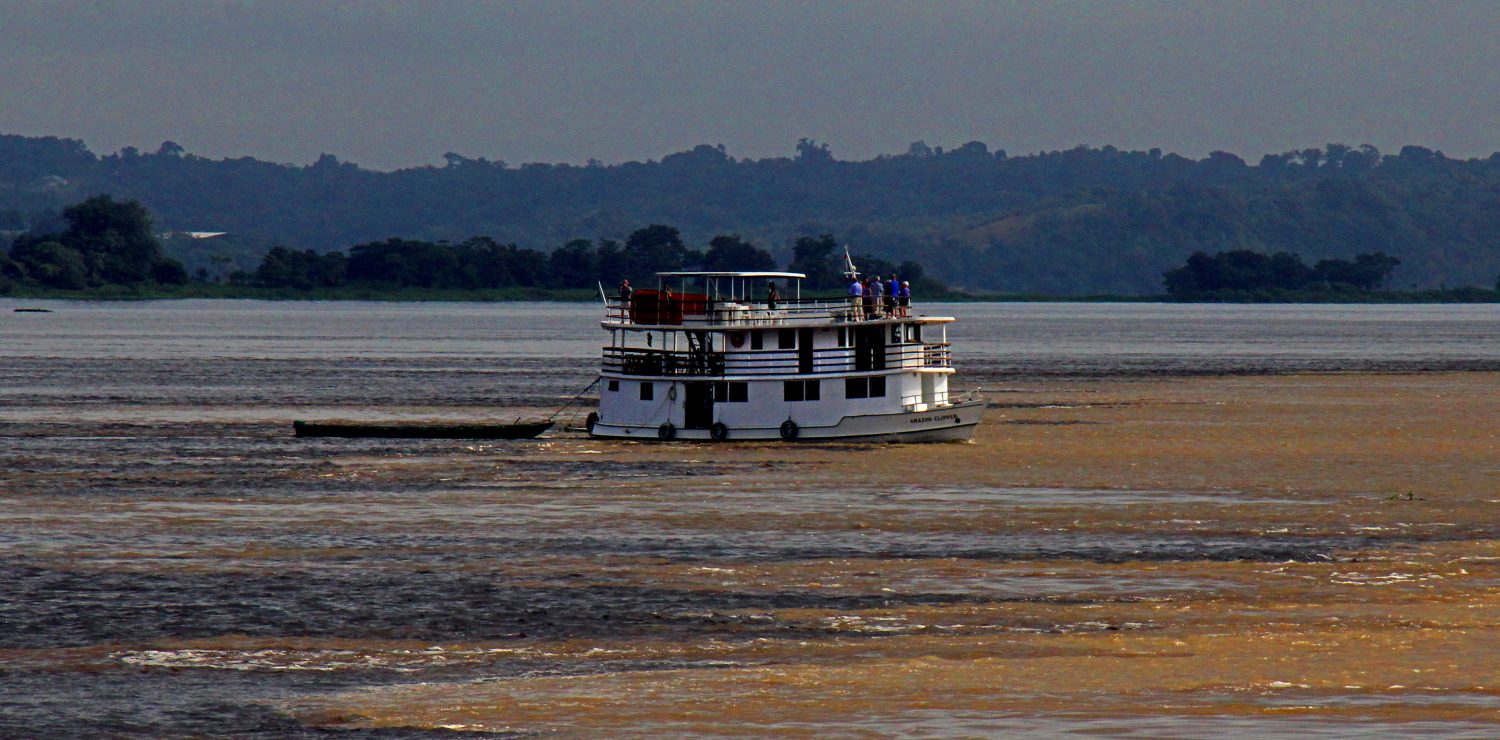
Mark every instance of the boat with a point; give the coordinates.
(518, 430)
(712, 356)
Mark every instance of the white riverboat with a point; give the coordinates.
(708, 355)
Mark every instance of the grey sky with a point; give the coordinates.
(391, 84)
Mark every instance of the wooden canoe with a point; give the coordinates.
(519, 430)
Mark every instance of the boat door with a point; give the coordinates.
(804, 350)
(869, 348)
(698, 405)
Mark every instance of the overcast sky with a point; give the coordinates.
(393, 84)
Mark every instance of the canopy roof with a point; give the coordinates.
(796, 275)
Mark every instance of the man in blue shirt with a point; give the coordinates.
(855, 299)
(877, 294)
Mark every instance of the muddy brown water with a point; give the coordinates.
(1175, 521)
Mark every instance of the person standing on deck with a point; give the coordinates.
(877, 296)
(626, 293)
(771, 296)
(905, 298)
(892, 295)
(856, 293)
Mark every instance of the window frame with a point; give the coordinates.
(799, 391)
(792, 391)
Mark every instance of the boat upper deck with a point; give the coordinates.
(724, 302)
(700, 312)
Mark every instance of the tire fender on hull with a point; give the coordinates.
(789, 430)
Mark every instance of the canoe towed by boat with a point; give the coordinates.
(518, 430)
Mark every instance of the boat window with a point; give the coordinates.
(757, 340)
(731, 392)
(864, 387)
(786, 339)
(648, 391)
(614, 385)
(895, 333)
(843, 336)
(801, 390)
(914, 333)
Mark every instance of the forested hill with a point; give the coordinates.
(1080, 221)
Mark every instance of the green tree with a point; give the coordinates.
(486, 263)
(820, 259)
(304, 270)
(112, 240)
(53, 264)
(611, 262)
(573, 265)
(810, 151)
(528, 267)
(117, 234)
(655, 248)
(731, 253)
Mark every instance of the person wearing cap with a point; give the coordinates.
(905, 298)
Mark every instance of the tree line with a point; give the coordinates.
(1244, 271)
(482, 263)
(1079, 221)
(108, 242)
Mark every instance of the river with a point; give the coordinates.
(176, 563)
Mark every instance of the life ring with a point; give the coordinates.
(590, 421)
(666, 431)
(788, 430)
(719, 431)
(737, 338)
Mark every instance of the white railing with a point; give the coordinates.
(696, 310)
(649, 362)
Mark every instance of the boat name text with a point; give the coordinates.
(925, 419)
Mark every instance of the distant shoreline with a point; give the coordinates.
(584, 295)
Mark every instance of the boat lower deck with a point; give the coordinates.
(951, 423)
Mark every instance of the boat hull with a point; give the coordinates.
(953, 423)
